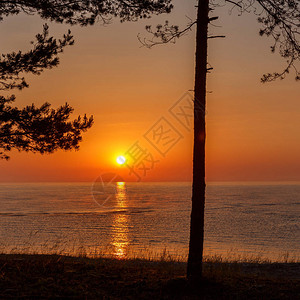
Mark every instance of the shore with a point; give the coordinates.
(56, 276)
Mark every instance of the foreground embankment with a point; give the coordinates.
(55, 276)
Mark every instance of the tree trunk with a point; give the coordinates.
(194, 269)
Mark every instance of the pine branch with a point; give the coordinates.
(44, 55)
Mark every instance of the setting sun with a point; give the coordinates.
(121, 160)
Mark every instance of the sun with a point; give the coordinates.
(121, 160)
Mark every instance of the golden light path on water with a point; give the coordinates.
(120, 223)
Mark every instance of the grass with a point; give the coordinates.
(24, 276)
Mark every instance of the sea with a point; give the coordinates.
(150, 220)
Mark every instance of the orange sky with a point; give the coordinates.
(252, 129)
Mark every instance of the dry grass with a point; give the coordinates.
(57, 276)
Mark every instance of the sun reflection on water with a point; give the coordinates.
(120, 223)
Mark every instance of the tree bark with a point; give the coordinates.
(194, 269)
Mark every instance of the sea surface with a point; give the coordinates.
(149, 219)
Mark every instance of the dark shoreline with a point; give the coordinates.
(62, 277)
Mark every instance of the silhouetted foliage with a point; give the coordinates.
(36, 129)
(86, 12)
(39, 129)
(44, 55)
(42, 129)
(279, 19)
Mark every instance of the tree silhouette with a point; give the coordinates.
(36, 129)
(42, 129)
(279, 19)
(39, 129)
(86, 12)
